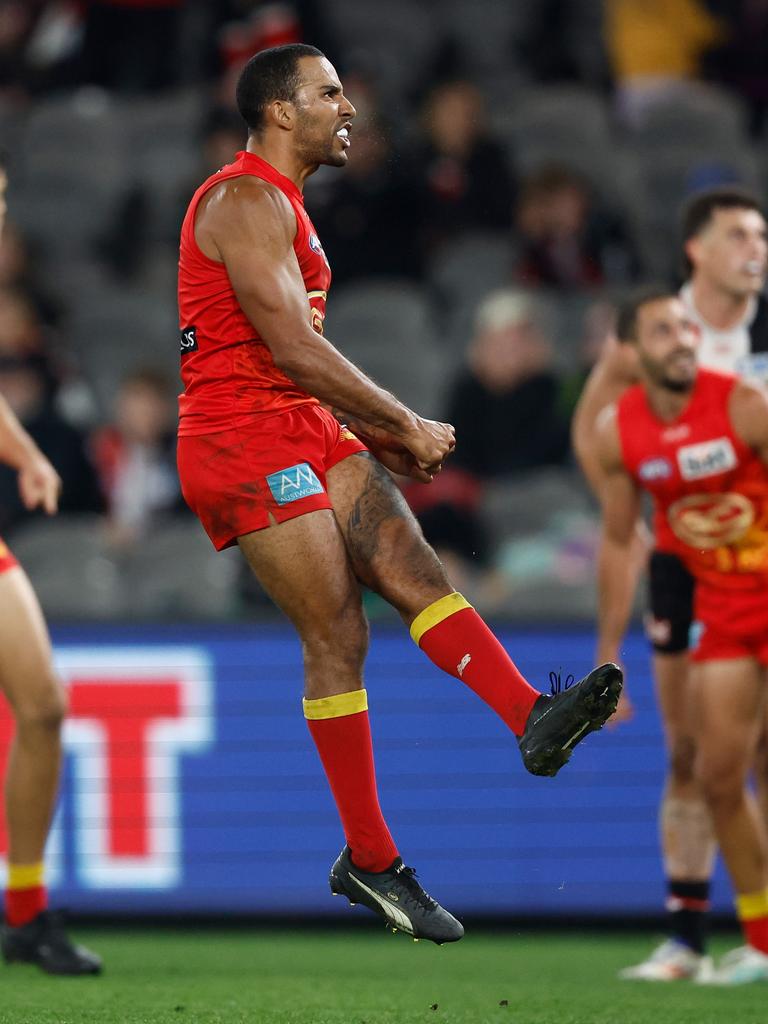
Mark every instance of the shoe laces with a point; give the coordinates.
(415, 893)
(558, 685)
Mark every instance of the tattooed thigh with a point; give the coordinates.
(383, 538)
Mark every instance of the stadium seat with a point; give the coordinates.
(113, 331)
(387, 328)
(702, 116)
(666, 177)
(566, 114)
(392, 43)
(175, 573)
(468, 268)
(542, 528)
(71, 568)
(76, 131)
(485, 32)
(522, 504)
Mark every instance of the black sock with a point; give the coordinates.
(688, 909)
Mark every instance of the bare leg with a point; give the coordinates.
(387, 549)
(38, 704)
(687, 836)
(728, 702)
(388, 553)
(303, 566)
(760, 770)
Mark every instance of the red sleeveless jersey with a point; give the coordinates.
(228, 371)
(710, 490)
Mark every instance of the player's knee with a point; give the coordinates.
(682, 759)
(45, 709)
(341, 638)
(720, 784)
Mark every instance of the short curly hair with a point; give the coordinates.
(270, 75)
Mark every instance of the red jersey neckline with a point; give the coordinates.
(243, 156)
(695, 396)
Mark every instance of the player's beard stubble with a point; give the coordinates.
(318, 145)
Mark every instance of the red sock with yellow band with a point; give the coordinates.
(25, 894)
(752, 909)
(341, 730)
(455, 638)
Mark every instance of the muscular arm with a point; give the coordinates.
(250, 227)
(616, 574)
(39, 483)
(613, 372)
(748, 410)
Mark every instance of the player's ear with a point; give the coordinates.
(282, 114)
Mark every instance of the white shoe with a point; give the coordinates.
(671, 961)
(741, 966)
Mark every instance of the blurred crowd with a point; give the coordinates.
(514, 167)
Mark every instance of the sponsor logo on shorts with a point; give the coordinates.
(655, 469)
(708, 458)
(658, 631)
(695, 634)
(188, 340)
(294, 483)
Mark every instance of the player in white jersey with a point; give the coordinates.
(725, 253)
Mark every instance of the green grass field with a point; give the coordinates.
(365, 977)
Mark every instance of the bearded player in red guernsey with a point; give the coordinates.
(697, 441)
(306, 493)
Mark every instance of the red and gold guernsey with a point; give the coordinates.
(710, 490)
(228, 371)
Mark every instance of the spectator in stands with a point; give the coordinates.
(21, 332)
(136, 457)
(17, 274)
(222, 134)
(462, 173)
(241, 28)
(505, 406)
(26, 337)
(29, 390)
(566, 239)
(131, 46)
(741, 61)
(364, 215)
(656, 49)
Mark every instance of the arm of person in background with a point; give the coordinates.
(250, 227)
(39, 483)
(616, 572)
(748, 410)
(613, 373)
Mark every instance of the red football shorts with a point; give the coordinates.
(730, 624)
(7, 561)
(236, 479)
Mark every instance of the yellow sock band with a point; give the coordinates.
(338, 706)
(25, 876)
(436, 612)
(751, 905)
